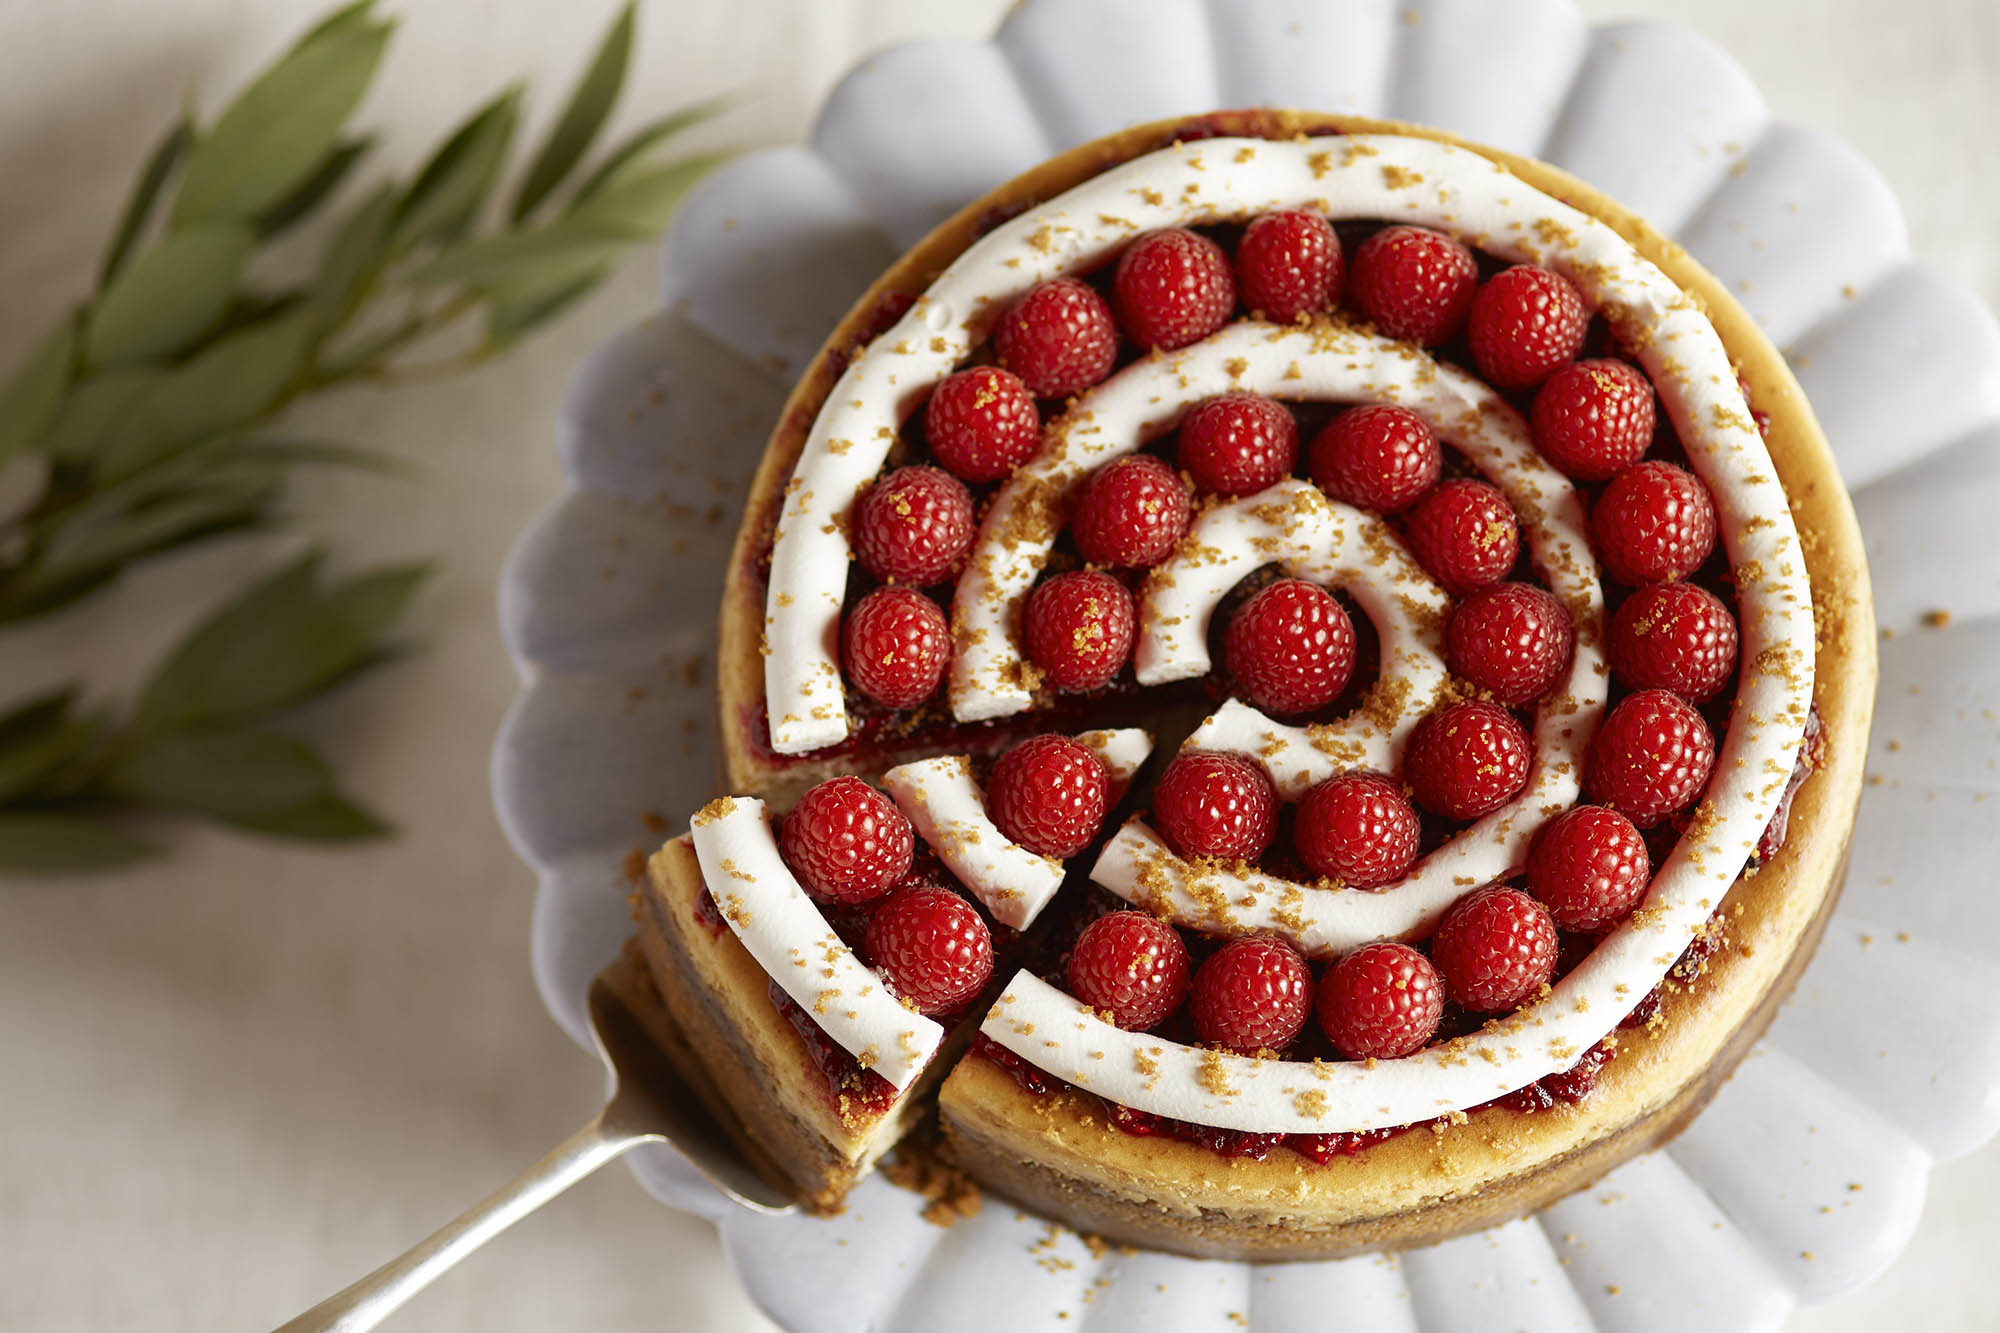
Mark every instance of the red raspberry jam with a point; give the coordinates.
(856, 1093)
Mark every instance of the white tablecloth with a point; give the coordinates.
(231, 1082)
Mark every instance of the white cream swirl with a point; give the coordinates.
(783, 930)
(1360, 176)
(1310, 537)
(946, 806)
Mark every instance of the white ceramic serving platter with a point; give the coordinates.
(1807, 1174)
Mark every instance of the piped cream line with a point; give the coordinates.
(783, 930)
(947, 807)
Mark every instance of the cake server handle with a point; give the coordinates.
(649, 1104)
(372, 1299)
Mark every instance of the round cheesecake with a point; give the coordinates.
(1189, 1134)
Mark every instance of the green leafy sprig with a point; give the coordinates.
(151, 417)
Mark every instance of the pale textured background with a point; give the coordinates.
(230, 1083)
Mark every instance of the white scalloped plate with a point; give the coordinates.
(1807, 1174)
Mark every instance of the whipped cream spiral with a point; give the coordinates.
(1396, 178)
(947, 808)
(782, 928)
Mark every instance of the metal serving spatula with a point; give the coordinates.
(650, 1104)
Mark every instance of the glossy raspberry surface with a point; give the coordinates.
(846, 842)
(981, 423)
(1132, 965)
(1357, 828)
(1059, 338)
(1466, 759)
(914, 526)
(895, 645)
(932, 947)
(1130, 513)
(1380, 1002)
(1251, 995)
(1078, 628)
(1414, 284)
(1210, 803)
(1172, 287)
(1288, 264)
(1496, 949)
(1048, 793)
(1381, 457)
(1290, 648)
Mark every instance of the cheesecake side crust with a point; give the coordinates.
(1495, 1169)
(730, 1042)
(1057, 1155)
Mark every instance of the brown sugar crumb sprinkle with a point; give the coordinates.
(922, 1165)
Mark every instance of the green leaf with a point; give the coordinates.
(34, 393)
(97, 409)
(229, 385)
(347, 18)
(645, 138)
(45, 842)
(326, 819)
(518, 309)
(448, 192)
(32, 747)
(572, 246)
(638, 203)
(38, 736)
(282, 642)
(331, 453)
(589, 106)
(91, 548)
(314, 189)
(35, 714)
(276, 132)
(353, 257)
(230, 774)
(166, 155)
(168, 296)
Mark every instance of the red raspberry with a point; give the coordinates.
(896, 645)
(1215, 804)
(1593, 418)
(1380, 457)
(1290, 649)
(847, 842)
(1131, 513)
(1357, 828)
(1654, 523)
(1058, 338)
(1651, 757)
(1133, 965)
(1238, 443)
(1589, 867)
(1466, 760)
(1496, 948)
(1172, 288)
(1414, 284)
(1048, 794)
(1381, 1002)
(1288, 265)
(1512, 640)
(1526, 324)
(932, 947)
(1465, 534)
(1079, 629)
(1252, 995)
(913, 526)
(1674, 636)
(982, 424)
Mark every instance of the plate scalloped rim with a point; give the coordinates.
(1806, 1176)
